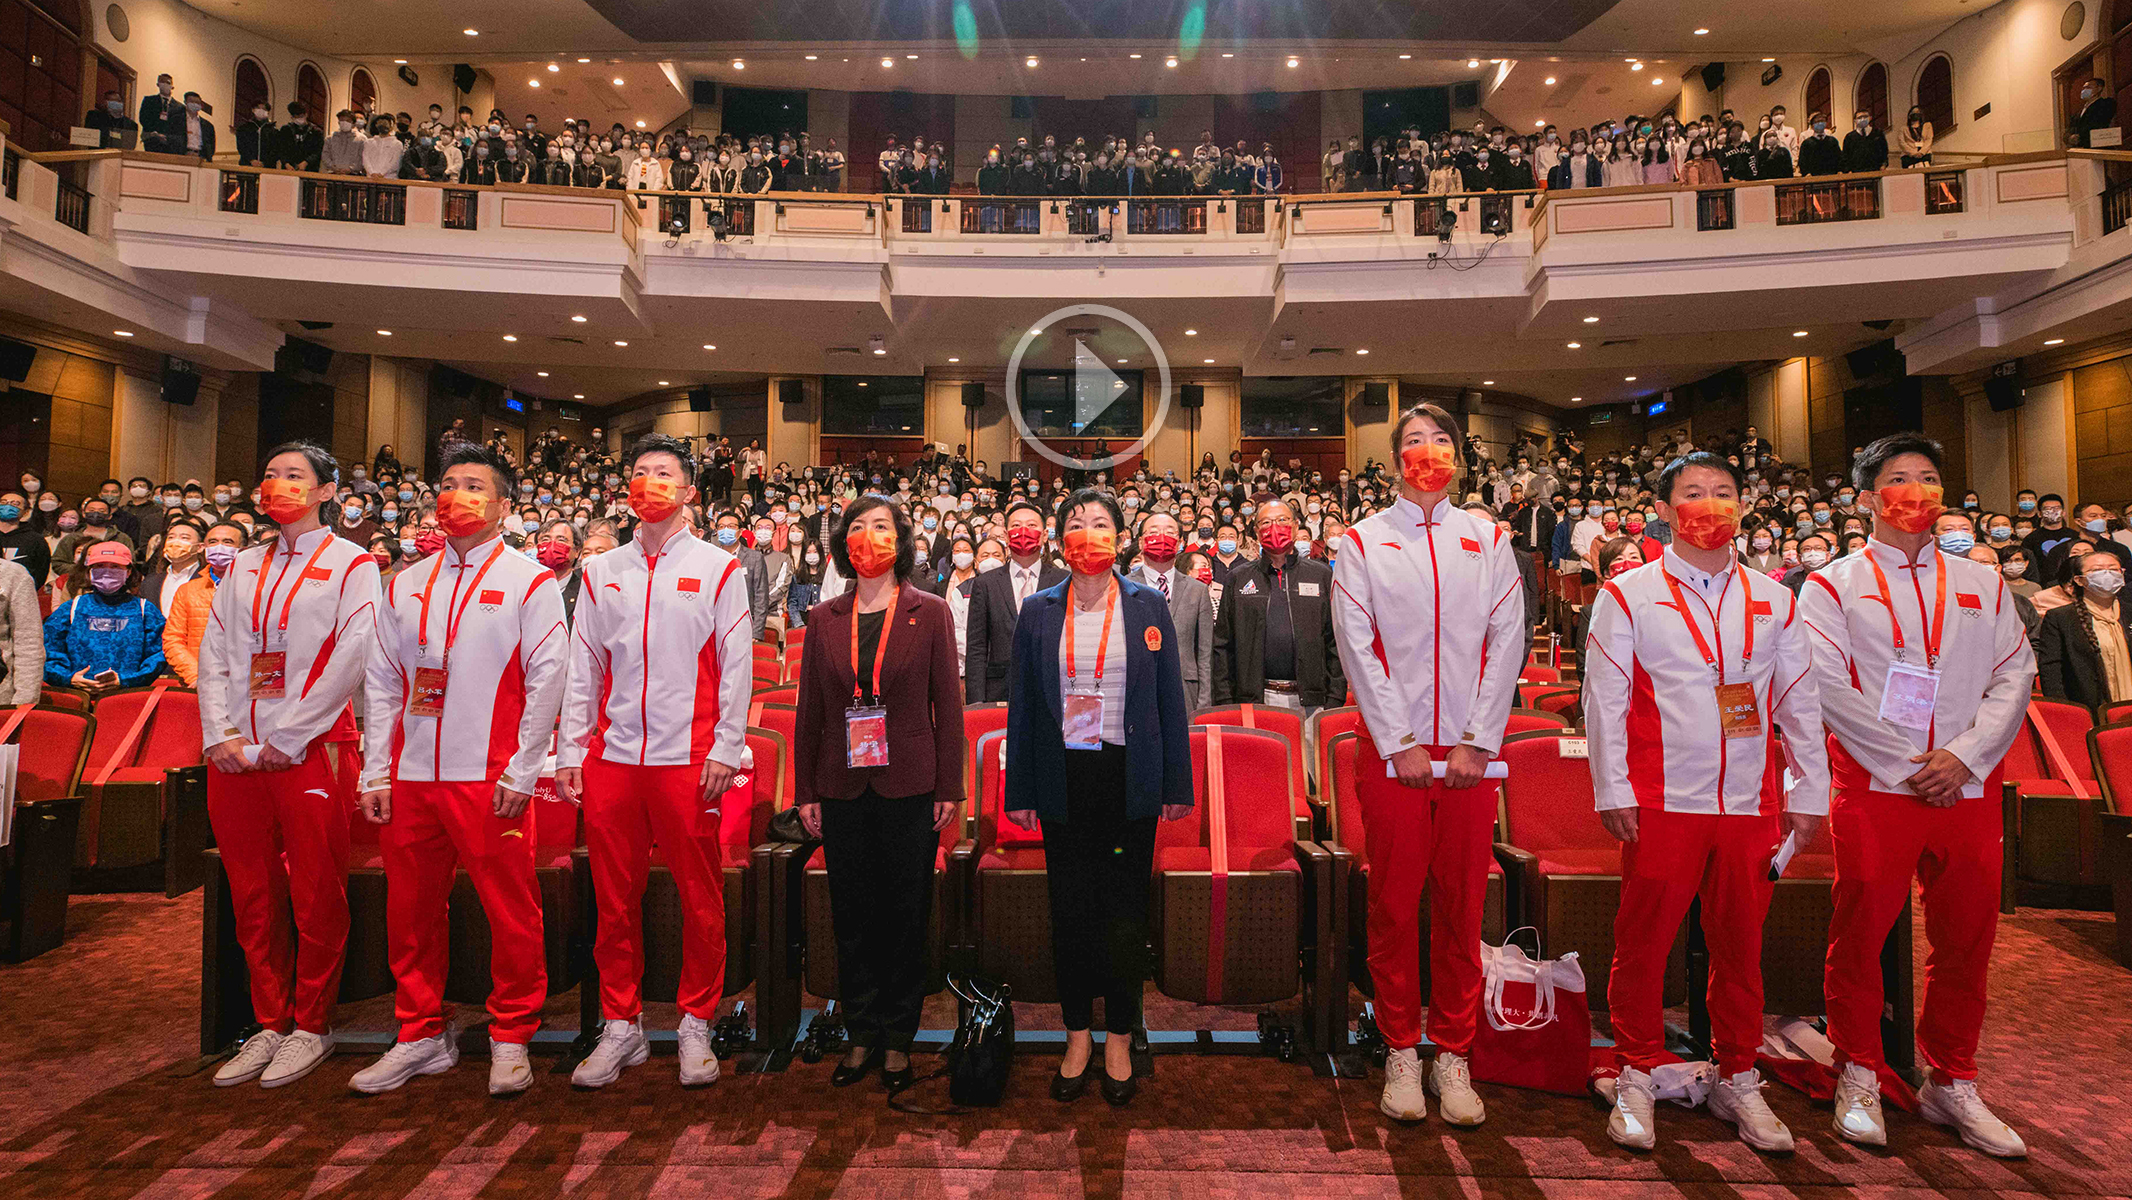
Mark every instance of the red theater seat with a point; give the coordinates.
(2052, 797)
(37, 870)
(142, 735)
(1289, 724)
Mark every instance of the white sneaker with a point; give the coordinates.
(1957, 1104)
(1451, 1079)
(1405, 1097)
(297, 1056)
(251, 1059)
(621, 1045)
(1858, 1114)
(698, 1064)
(510, 1071)
(427, 1056)
(1632, 1123)
(1739, 1100)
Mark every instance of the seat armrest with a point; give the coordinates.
(1521, 884)
(955, 902)
(2009, 844)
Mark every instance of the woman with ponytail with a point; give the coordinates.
(2081, 649)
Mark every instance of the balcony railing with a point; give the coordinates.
(1713, 210)
(71, 208)
(360, 202)
(240, 192)
(737, 213)
(1185, 216)
(1823, 202)
(990, 215)
(1943, 193)
(1091, 218)
(462, 209)
(917, 214)
(2117, 206)
(10, 171)
(1251, 214)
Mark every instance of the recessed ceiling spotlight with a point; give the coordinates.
(1169, 62)
(910, 56)
(812, 57)
(584, 60)
(1575, 399)
(1029, 61)
(1132, 56)
(1591, 320)
(471, 32)
(640, 122)
(709, 346)
(862, 383)
(1362, 352)
(1550, 81)
(1701, 32)
(1576, 345)
(1472, 63)
(954, 360)
(532, 83)
(1628, 379)
(1769, 60)
(578, 396)
(1655, 81)
(1191, 333)
(123, 332)
(384, 333)
(1799, 333)
(1636, 66)
(2055, 342)
(399, 62)
(887, 62)
(579, 318)
(1487, 383)
(1406, 56)
(621, 343)
(510, 337)
(1121, 360)
(618, 81)
(1539, 123)
(552, 67)
(1209, 362)
(740, 64)
(1295, 62)
(663, 383)
(542, 374)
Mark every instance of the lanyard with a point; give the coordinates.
(260, 589)
(888, 622)
(1747, 605)
(1110, 609)
(1939, 608)
(451, 618)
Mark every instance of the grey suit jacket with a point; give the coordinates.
(1192, 612)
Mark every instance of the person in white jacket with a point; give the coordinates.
(1430, 622)
(654, 727)
(1925, 674)
(283, 653)
(460, 704)
(1693, 666)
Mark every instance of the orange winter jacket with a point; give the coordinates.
(185, 625)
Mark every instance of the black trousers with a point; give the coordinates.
(880, 853)
(1098, 863)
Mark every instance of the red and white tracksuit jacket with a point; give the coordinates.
(502, 616)
(1707, 804)
(492, 624)
(661, 658)
(1883, 833)
(661, 671)
(284, 834)
(1429, 615)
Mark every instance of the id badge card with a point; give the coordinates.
(866, 736)
(269, 675)
(428, 698)
(1909, 696)
(1084, 722)
(1738, 713)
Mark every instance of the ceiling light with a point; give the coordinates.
(1635, 66)
(1295, 62)
(578, 396)
(1550, 81)
(1628, 379)
(532, 83)
(471, 32)
(1132, 56)
(1575, 399)
(542, 374)
(1169, 62)
(640, 123)
(954, 360)
(1233, 56)
(1630, 60)
(1539, 123)
(579, 318)
(384, 333)
(1655, 81)
(910, 56)
(708, 346)
(618, 81)
(1121, 360)
(621, 343)
(1799, 333)
(862, 383)
(510, 337)
(403, 62)
(1591, 320)
(1362, 352)
(1487, 383)
(123, 332)
(740, 64)
(1029, 61)
(663, 383)
(552, 67)
(1209, 361)
(1191, 333)
(1576, 345)
(1701, 32)
(2055, 342)
(1406, 56)
(880, 352)
(584, 60)
(812, 57)
(887, 62)
(1037, 329)
(1472, 63)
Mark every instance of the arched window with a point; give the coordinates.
(252, 90)
(1935, 93)
(362, 89)
(311, 89)
(1872, 96)
(1817, 95)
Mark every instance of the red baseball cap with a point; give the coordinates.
(108, 553)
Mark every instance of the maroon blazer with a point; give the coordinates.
(920, 686)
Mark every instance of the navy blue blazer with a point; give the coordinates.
(1158, 738)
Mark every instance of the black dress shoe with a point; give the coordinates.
(1120, 1092)
(845, 1076)
(1066, 1089)
(898, 1079)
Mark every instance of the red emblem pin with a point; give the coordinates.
(689, 585)
(1154, 639)
(490, 596)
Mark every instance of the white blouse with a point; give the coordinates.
(1088, 631)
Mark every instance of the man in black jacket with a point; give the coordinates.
(1819, 152)
(996, 599)
(300, 143)
(256, 138)
(1273, 638)
(1864, 147)
(2097, 112)
(111, 123)
(163, 120)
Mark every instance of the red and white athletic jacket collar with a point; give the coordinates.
(1410, 514)
(304, 543)
(478, 554)
(682, 538)
(1893, 559)
(1687, 572)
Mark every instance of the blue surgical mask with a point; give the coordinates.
(390, 514)
(2002, 533)
(2097, 525)
(931, 522)
(728, 537)
(1226, 545)
(1823, 517)
(1958, 541)
(406, 495)
(407, 547)
(10, 512)
(1576, 510)
(2024, 506)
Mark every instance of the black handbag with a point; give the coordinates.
(786, 826)
(982, 1054)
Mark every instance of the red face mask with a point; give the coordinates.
(1609, 524)
(285, 500)
(1159, 547)
(428, 542)
(1428, 467)
(872, 551)
(1707, 523)
(1091, 551)
(1277, 537)
(553, 555)
(460, 513)
(1635, 526)
(1622, 566)
(1204, 574)
(1025, 541)
(384, 560)
(654, 500)
(1911, 507)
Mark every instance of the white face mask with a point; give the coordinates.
(2105, 582)
(963, 559)
(989, 564)
(1814, 559)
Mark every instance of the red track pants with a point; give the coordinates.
(1441, 839)
(1883, 839)
(436, 828)
(1675, 858)
(284, 842)
(626, 810)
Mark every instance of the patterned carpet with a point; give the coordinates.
(100, 1096)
